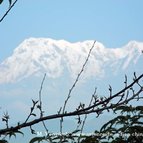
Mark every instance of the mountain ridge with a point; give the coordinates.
(44, 55)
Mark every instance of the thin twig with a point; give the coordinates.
(85, 117)
(78, 76)
(74, 84)
(40, 96)
(40, 100)
(84, 111)
(8, 11)
(117, 94)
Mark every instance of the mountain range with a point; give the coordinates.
(21, 75)
(35, 56)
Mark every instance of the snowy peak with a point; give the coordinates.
(39, 55)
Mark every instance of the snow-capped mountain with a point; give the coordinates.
(22, 72)
(42, 55)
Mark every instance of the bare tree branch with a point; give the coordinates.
(74, 84)
(6, 13)
(84, 111)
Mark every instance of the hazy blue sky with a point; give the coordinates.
(114, 23)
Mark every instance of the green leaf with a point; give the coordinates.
(33, 114)
(124, 109)
(76, 131)
(1, 1)
(37, 139)
(3, 141)
(139, 108)
(109, 124)
(12, 134)
(19, 132)
(65, 141)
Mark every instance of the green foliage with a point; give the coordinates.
(128, 126)
(10, 134)
(90, 139)
(1, 1)
(3, 141)
(14, 133)
(37, 139)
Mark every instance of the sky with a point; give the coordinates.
(114, 23)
